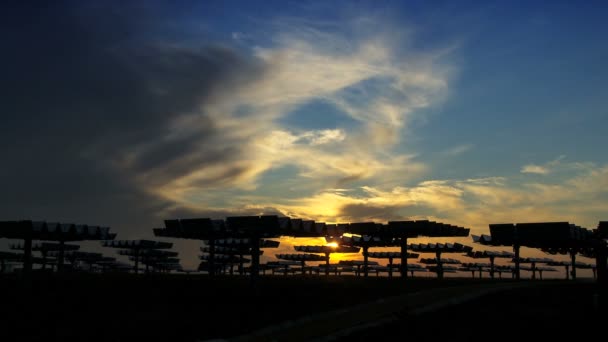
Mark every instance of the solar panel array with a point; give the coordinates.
(327, 249)
(53, 231)
(391, 255)
(300, 257)
(137, 244)
(45, 246)
(274, 226)
(539, 234)
(439, 247)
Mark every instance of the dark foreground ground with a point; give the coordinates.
(86, 307)
(558, 311)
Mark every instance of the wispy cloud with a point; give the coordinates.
(545, 168)
(457, 150)
(361, 73)
(531, 168)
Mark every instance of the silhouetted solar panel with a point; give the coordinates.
(196, 225)
(433, 261)
(439, 247)
(301, 257)
(416, 267)
(320, 227)
(148, 253)
(45, 246)
(483, 239)
(363, 241)
(363, 228)
(241, 250)
(78, 255)
(602, 230)
(475, 264)
(245, 243)
(296, 225)
(490, 254)
(391, 255)
(264, 226)
(424, 228)
(53, 231)
(356, 263)
(539, 235)
(156, 260)
(534, 260)
(10, 256)
(442, 269)
(327, 249)
(503, 234)
(226, 258)
(137, 244)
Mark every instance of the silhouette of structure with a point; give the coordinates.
(302, 258)
(578, 264)
(29, 231)
(9, 257)
(533, 261)
(438, 249)
(251, 229)
(236, 250)
(255, 228)
(44, 248)
(393, 234)
(492, 255)
(391, 256)
(327, 251)
(151, 257)
(542, 235)
(437, 264)
(476, 267)
(138, 249)
(416, 268)
(358, 264)
(76, 257)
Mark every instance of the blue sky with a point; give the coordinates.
(462, 112)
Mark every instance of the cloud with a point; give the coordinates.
(111, 119)
(531, 168)
(458, 150)
(472, 203)
(546, 168)
(92, 99)
(363, 76)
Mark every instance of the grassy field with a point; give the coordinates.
(125, 307)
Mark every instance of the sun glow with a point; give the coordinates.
(332, 244)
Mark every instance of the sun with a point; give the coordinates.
(332, 244)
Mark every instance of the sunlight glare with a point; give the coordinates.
(332, 244)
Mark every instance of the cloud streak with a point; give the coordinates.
(473, 203)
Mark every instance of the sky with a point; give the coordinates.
(468, 113)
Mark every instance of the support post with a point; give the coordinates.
(255, 260)
(516, 252)
(61, 258)
(403, 266)
(439, 265)
(573, 259)
(211, 261)
(365, 266)
(136, 267)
